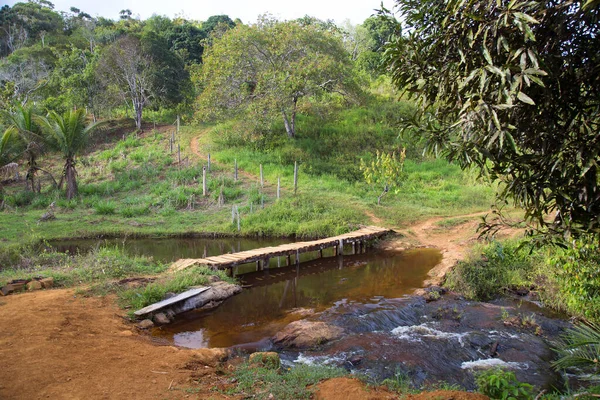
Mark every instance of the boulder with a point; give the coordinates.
(145, 324)
(268, 359)
(210, 357)
(193, 299)
(170, 314)
(305, 334)
(12, 287)
(47, 283)
(161, 319)
(34, 285)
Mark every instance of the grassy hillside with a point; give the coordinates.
(134, 185)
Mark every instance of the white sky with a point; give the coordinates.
(246, 10)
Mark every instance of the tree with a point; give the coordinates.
(214, 21)
(67, 134)
(27, 70)
(143, 71)
(386, 171)
(22, 124)
(126, 68)
(512, 88)
(268, 68)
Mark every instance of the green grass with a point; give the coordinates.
(293, 383)
(133, 186)
(566, 279)
(176, 283)
(100, 265)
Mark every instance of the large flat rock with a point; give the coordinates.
(170, 301)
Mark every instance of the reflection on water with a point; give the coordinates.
(168, 250)
(282, 295)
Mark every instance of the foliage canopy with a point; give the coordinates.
(512, 87)
(269, 67)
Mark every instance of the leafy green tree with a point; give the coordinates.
(268, 68)
(386, 171)
(214, 21)
(67, 134)
(186, 40)
(512, 88)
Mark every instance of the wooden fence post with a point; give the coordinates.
(295, 176)
(208, 166)
(179, 152)
(262, 181)
(278, 187)
(235, 171)
(178, 124)
(204, 191)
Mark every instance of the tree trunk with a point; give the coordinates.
(290, 124)
(288, 127)
(138, 115)
(71, 178)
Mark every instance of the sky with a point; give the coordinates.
(247, 10)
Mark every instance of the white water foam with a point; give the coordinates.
(320, 360)
(414, 333)
(492, 363)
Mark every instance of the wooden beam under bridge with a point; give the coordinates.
(262, 255)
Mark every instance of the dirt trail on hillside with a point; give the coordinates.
(454, 241)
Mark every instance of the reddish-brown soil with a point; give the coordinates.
(55, 344)
(350, 389)
(353, 389)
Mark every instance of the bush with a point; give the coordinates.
(579, 277)
(492, 268)
(105, 207)
(135, 211)
(503, 385)
(20, 199)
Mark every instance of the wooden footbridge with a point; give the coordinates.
(262, 256)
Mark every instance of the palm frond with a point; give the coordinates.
(579, 347)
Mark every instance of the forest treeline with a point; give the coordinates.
(65, 60)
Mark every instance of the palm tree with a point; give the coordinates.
(67, 134)
(6, 155)
(23, 122)
(580, 347)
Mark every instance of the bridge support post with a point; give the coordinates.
(288, 260)
(341, 247)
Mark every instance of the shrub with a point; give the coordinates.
(503, 385)
(493, 268)
(579, 277)
(135, 211)
(105, 207)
